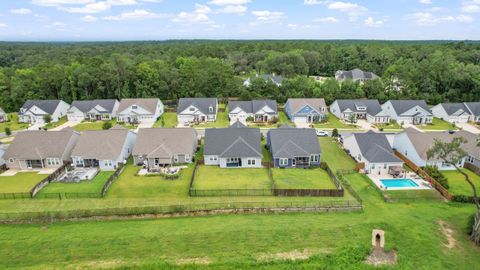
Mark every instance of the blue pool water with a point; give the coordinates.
(398, 183)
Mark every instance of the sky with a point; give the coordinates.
(120, 20)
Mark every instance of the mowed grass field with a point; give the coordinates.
(302, 179)
(92, 186)
(12, 123)
(214, 177)
(457, 183)
(437, 124)
(20, 182)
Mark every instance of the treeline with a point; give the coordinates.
(434, 71)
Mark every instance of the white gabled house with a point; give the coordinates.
(93, 110)
(34, 111)
(197, 110)
(138, 110)
(452, 112)
(415, 112)
(258, 110)
(368, 109)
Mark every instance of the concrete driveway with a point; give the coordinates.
(145, 124)
(67, 124)
(468, 127)
(365, 125)
(35, 126)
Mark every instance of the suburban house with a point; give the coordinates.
(452, 112)
(3, 116)
(233, 147)
(195, 110)
(375, 151)
(368, 109)
(93, 110)
(159, 147)
(414, 112)
(294, 147)
(34, 111)
(256, 110)
(137, 110)
(474, 109)
(104, 149)
(41, 149)
(306, 110)
(276, 79)
(414, 145)
(3, 149)
(356, 75)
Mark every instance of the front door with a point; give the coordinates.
(309, 119)
(294, 162)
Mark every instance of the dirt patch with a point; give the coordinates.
(379, 257)
(291, 255)
(102, 264)
(200, 260)
(448, 233)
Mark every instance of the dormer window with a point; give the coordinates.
(134, 107)
(210, 109)
(362, 108)
(192, 109)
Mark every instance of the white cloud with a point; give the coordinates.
(122, 2)
(428, 19)
(229, 2)
(371, 22)
(21, 11)
(266, 16)
(61, 2)
(199, 15)
(425, 2)
(89, 18)
(471, 6)
(326, 20)
(137, 14)
(234, 9)
(3, 25)
(353, 10)
(95, 7)
(314, 2)
(59, 26)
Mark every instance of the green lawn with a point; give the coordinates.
(302, 179)
(12, 123)
(93, 186)
(97, 125)
(20, 182)
(457, 183)
(167, 120)
(266, 156)
(334, 122)
(437, 124)
(222, 121)
(60, 122)
(214, 177)
(389, 126)
(334, 156)
(282, 119)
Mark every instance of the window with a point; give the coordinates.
(373, 166)
(156, 161)
(11, 160)
(175, 158)
(385, 165)
(283, 161)
(134, 107)
(251, 162)
(108, 163)
(192, 109)
(210, 109)
(187, 158)
(314, 158)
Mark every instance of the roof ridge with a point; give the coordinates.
(240, 138)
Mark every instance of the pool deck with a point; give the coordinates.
(421, 184)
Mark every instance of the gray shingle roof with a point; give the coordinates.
(149, 104)
(101, 144)
(253, 106)
(373, 106)
(473, 107)
(86, 105)
(40, 144)
(401, 106)
(455, 108)
(275, 78)
(293, 142)
(47, 106)
(375, 147)
(164, 142)
(233, 142)
(298, 103)
(238, 124)
(202, 104)
(355, 74)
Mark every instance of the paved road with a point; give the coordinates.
(67, 124)
(468, 127)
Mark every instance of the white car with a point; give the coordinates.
(321, 133)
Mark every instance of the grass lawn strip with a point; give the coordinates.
(302, 179)
(13, 123)
(458, 184)
(167, 120)
(60, 122)
(93, 186)
(334, 122)
(213, 177)
(437, 124)
(20, 182)
(97, 125)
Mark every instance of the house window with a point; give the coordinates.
(210, 109)
(373, 166)
(192, 109)
(108, 163)
(156, 161)
(283, 162)
(187, 158)
(359, 157)
(11, 160)
(134, 107)
(314, 158)
(175, 158)
(385, 165)
(251, 162)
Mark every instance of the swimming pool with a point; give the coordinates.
(398, 183)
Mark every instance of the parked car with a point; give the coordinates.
(322, 133)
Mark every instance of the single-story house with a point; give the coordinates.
(306, 110)
(276, 79)
(414, 112)
(41, 149)
(356, 75)
(196, 110)
(474, 109)
(374, 150)
(93, 110)
(3, 116)
(414, 145)
(234, 147)
(258, 110)
(452, 112)
(137, 110)
(33, 111)
(368, 109)
(103, 148)
(158, 147)
(294, 147)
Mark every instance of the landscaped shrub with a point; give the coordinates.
(107, 125)
(8, 131)
(47, 118)
(462, 199)
(335, 132)
(437, 175)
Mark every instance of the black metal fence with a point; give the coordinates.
(68, 195)
(15, 196)
(341, 177)
(229, 192)
(48, 179)
(111, 179)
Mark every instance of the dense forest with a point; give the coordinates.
(435, 71)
